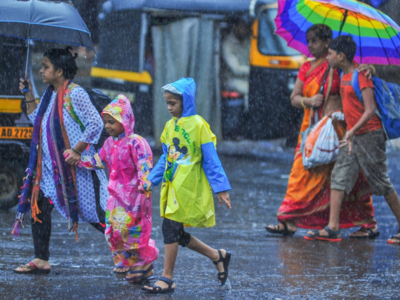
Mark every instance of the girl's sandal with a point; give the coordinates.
(120, 266)
(223, 276)
(159, 290)
(142, 277)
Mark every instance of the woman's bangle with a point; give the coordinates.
(302, 102)
(373, 69)
(30, 101)
(76, 151)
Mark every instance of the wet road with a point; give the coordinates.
(262, 266)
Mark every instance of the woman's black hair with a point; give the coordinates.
(63, 59)
(322, 31)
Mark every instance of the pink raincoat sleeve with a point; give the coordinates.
(98, 161)
(143, 158)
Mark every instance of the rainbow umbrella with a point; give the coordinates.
(376, 34)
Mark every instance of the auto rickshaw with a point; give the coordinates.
(274, 66)
(15, 128)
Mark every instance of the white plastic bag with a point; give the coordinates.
(322, 143)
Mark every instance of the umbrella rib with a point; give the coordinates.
(326, 16)
(379, 40)
(359, 38)
(392, 40)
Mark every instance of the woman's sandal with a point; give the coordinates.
(284, 232)
(159, 290)
(394, 237)
(370, 234)
(223, 276)
(32, 269)
(333, 236)
(142, 278)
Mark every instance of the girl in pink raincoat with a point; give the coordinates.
(129, 160)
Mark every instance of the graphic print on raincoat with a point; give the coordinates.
(189, 165)
(128, 217)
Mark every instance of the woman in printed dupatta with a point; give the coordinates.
(65, 120)
(129, 160)
(306, 203)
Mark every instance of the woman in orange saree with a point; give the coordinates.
(306, 204)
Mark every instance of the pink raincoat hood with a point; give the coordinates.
(121, 110)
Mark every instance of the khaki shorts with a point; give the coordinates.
(369, 155)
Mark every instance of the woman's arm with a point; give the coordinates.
(95, 163)
(31, 104)
(91, 120)
(299, 101)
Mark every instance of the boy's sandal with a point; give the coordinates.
(370, 234)
(120, 266)
(142, 277)
(159, 290)
(394, 237)
(333, 236)
(223, 276)
(32, 269)
(284, 232)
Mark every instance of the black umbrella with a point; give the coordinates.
(43, 20)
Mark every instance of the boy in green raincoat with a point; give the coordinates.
(190, 171)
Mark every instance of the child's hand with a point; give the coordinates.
(348, 140)
(224, 196)
(317, 100)
(71, 157)
(147, 187)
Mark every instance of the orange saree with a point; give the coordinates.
(308, 193)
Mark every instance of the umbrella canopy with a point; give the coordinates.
(376, 34)
(43, 20)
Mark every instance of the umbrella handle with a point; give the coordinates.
(344, 21)
(26, 86)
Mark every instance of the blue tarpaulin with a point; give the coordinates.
(377, 3)
(209, 6)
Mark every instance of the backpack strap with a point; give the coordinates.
(356, 85)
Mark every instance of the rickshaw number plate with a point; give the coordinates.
(24, 133)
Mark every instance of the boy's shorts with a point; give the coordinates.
(174, 232)
(369, 155)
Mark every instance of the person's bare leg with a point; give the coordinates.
(202, 248)
(393, 200)
(334, 214)
(171, 252)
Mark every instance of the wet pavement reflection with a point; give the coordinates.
(262, 267)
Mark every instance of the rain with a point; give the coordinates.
(245, 70)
